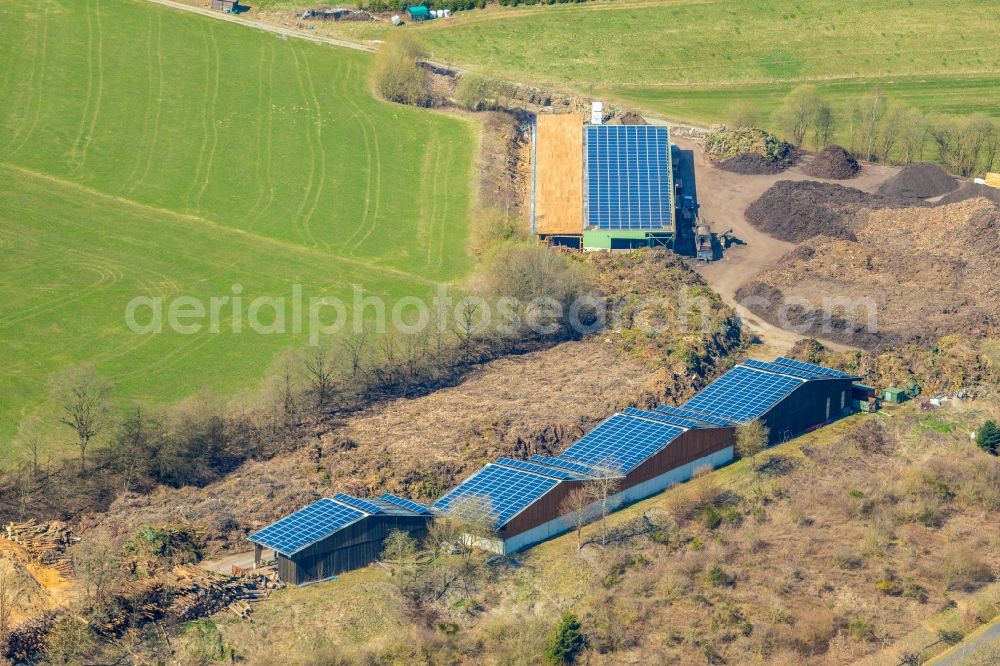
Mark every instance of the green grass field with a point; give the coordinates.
(148, 152)
(689, 60)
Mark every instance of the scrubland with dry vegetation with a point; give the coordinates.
(825, 549)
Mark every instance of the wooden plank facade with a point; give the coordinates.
(356, 545)
(810, 405)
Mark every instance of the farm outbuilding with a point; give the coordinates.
(601, 186)
(639, 452)
(230, 6)
(649, 451)
(337, 534)
(419, 13)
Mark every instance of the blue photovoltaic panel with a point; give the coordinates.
(743, 393)
(506, 490)
(536, 468)
(781, 369)
(358, 503)
(415, 507)
(818, 369)
(692, 414)
(628, 177)
(660, 416)
(579, 468)
(306, 526)
(622, 442)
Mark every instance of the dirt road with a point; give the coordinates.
(724, 196)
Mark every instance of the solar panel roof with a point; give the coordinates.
(661, 416)
(622, 442)
(306, 526)
(743, 393)
(693, 414)
(536, 468)
(357, 503)
(628, 177)
(415, 507)
(818, 369)
(571, 465)
(507, 490)
(780, 369)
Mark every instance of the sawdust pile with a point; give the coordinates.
(918, 181)
(833, 162)
(910, 275)
(19, 585)
(795, 211)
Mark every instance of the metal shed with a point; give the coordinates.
(418, 13)
(337, 534)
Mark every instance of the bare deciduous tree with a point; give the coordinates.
(320, 372)
(355, 346)
(83, 401)
(474, 518)
(602, 488)
(576, 509)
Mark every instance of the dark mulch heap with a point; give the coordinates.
(795, 211)
(752, 164)
(918, 181)
(832, 162)
(972, 191)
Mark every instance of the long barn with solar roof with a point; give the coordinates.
(525, 501)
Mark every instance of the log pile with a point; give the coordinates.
(200, 592)
(46, 543)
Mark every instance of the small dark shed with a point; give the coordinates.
(337, 534)
(231, 6)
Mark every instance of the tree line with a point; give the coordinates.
(879, 129)
(127, 446)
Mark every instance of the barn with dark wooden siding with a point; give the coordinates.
(525, 501)
(337, 534)
(649, 451)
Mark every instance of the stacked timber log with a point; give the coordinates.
(46, 543)
(200, 592)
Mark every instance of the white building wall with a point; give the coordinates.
(628, 496)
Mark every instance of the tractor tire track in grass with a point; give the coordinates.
(266, 160)
(36, 87)
(201, 222)
(88, 100)
(306, 221)
(206, 118)
(155, 102)
(212, 120)
(300, 212)
(261, 159)
(357, 115)
(426, 232)
(377, 177)
(100, 88)
(442, 224)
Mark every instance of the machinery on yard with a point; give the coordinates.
(704, 240)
